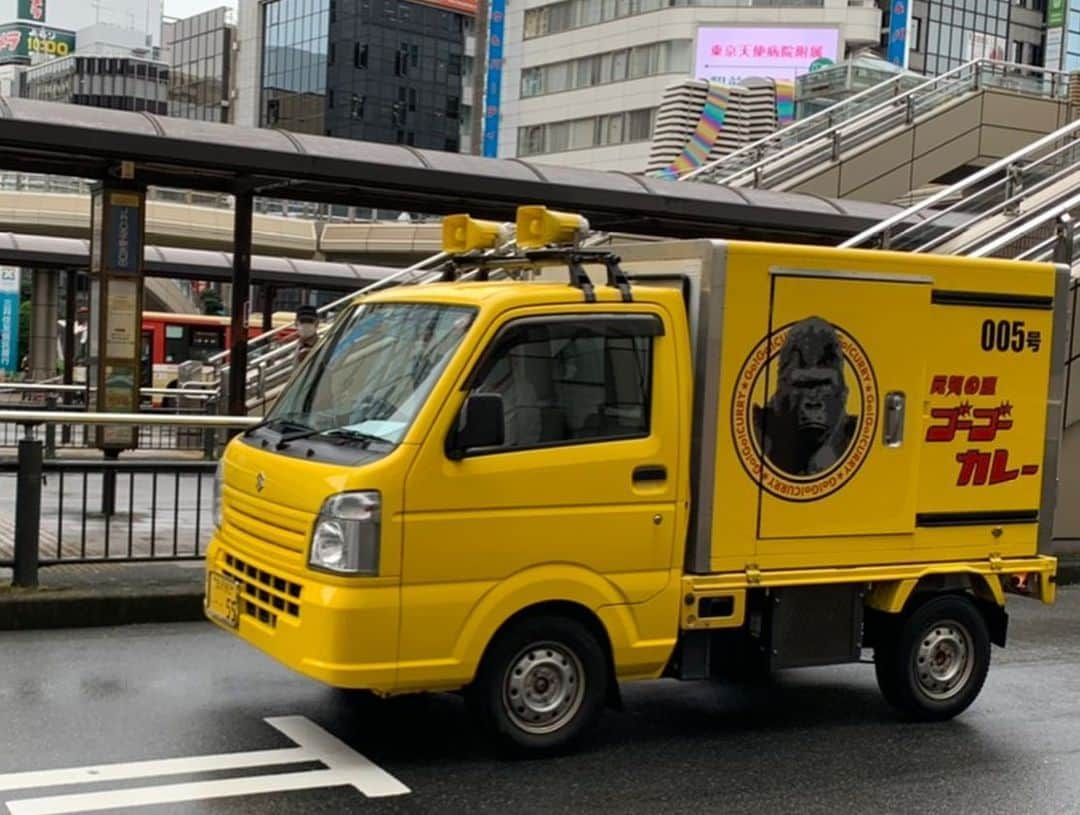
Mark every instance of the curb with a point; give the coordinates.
(28, 609)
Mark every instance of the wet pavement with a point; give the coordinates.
(816, 741)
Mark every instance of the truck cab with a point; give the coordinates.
(723, 462)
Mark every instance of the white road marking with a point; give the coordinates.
(346, 768)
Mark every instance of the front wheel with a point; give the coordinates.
(541, 685)
(933, 664)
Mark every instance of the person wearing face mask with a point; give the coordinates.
(307, 327)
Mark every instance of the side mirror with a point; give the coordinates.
(480, 424)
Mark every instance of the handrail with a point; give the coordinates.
(1028, 226)
(266, 336)
(38, 387)
(800, 124)
(883, 227)
(978, 69)
(976, 214)
(28, 417)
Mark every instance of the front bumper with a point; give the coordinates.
(341, 635)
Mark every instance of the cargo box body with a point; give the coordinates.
(857, 408)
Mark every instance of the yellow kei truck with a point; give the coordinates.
(700, 460)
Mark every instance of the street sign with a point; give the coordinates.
(344, 768)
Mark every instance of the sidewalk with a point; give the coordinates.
(121, 593)
(104, 594)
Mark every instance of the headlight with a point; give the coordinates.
(217, 496)
(346, 535)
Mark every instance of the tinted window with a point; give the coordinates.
(572, 381)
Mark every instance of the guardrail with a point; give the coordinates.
(84, 511)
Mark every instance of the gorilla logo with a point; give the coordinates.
(809, 435)
(805, 428)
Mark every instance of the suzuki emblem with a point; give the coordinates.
(260, 482)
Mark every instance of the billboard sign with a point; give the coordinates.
(899, 19)
(467, 7)
(731, 54)
(32, 10)
(983, 46)
(493, 84)
(9, 319)
(1055, 14)
(20, 41)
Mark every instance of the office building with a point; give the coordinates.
(390, 71)
(582, 79)
(120, 83)
(199, 50)
(944, 34)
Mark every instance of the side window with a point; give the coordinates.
(572, 380)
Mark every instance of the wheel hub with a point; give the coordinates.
(944, 660)
(543, 688)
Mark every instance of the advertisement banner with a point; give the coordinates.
(20, 41)
(983, 46)
(493, 86)
(9, 319)
(125, 233)
(1054, 41)
(730, 55)
(467, 7)
(899, 17)
(32, 10)
(1055, 13)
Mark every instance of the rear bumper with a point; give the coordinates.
(343, 636)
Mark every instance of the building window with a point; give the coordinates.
(356, 109)
(670, 56)
(584, 381)
(591, 131)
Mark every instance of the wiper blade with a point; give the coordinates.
(280, 422)
(358, 435)
(343, 432)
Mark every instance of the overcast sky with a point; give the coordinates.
(185, 8)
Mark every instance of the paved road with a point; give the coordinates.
(818, 741)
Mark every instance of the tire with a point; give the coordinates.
(933, 663)
(541, 686)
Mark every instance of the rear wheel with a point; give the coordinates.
(541, 685)
(933, 664)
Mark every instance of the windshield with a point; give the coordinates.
(372, 375)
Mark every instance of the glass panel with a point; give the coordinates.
(558, 388)
(376, 371)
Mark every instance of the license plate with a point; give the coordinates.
(223, 599)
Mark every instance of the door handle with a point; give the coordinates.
(650, 472)
(893, 432)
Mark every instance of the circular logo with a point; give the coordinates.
(804, 411)
(820, 64)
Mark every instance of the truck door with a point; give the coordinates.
(837, 406)
(583, 488)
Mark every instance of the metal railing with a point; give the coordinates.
(865, 117)
(77, 435)
(1013, 189)
(93, 511)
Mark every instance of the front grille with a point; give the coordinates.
(263, 595)
(266, 523)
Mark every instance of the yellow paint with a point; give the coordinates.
(539, 226)
(466, 545)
